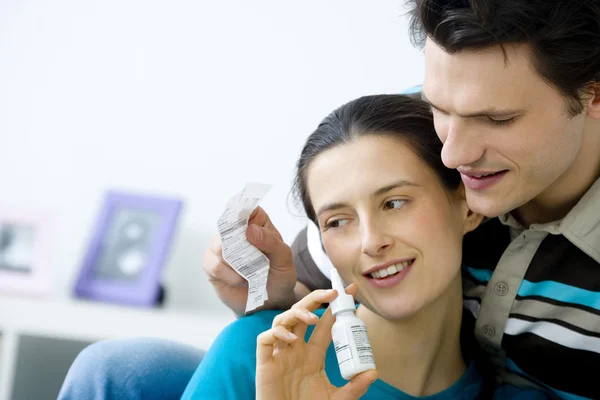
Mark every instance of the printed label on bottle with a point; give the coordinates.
(363, 347)
(342, 351)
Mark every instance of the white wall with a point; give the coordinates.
(179, 97)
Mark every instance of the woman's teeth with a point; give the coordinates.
(391, 270)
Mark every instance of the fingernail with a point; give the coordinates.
(311, 315)
(374, 379)
(292, 336)
(257, 232)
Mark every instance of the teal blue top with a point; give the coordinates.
(229, 368)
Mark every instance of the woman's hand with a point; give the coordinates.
(289, 368)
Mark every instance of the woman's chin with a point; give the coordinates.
(397, 315)
(394, 309)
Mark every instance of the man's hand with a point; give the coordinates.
(232, 289)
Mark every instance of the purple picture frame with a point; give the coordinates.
(145, 290)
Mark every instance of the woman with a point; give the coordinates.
(392, 219)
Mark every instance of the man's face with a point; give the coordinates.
(504, 128)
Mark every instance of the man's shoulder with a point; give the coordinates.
(307, 271)
(509, 392)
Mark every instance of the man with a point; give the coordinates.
(514, 87)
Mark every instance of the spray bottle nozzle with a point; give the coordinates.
(343, 301)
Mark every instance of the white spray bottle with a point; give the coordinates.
(349, 333)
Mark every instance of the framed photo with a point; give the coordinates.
(25, 252)
(128, 249)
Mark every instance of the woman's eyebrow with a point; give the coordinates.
(330, 207)
(392, 186)
(378, 192)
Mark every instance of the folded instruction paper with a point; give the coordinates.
(243, 257)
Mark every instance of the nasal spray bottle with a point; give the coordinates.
(349, 333)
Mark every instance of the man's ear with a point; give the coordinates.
(471, 220)
(593, 103)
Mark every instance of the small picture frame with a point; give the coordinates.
(25, 266)
(128, 249)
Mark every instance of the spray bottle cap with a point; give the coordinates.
(343, 301)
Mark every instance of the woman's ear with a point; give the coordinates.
(471, 220)
(593, 106)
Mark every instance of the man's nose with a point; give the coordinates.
(462, 145)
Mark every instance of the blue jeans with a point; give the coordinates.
(131, 369)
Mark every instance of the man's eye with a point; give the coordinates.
(501, 121)
(394, 204)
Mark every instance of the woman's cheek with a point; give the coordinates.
(418, 229)
(339, 251)
(436, 235)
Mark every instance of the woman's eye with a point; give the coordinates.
(337, 223)
(394, 204)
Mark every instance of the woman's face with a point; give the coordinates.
(388, 224)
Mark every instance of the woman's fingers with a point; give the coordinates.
(321, 336)
(314, 299)
(291, 317)
(352, 289)
(357, 386)
(296, 320)
(266, 341)
(301, 314)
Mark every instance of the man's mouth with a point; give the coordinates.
(479, 176)
(482, 180)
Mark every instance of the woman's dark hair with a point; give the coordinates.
(564, 36)
(399, 116)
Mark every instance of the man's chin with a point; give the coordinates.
(486, 206)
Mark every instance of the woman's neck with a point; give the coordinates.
(419, 355)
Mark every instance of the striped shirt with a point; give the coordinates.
(535, 294)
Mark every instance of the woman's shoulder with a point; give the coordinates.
(250, 326)
(259, 318)
(245, 330)
(229, 366)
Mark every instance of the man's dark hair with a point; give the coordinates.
(564, 35)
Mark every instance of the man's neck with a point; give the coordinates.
(555, 202)
(419, 355)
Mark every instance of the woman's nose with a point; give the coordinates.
(375, 241)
